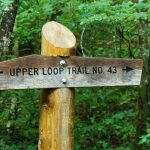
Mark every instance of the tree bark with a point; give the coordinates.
(7, 25)
(6, 29)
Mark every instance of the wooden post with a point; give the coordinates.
(57, 105)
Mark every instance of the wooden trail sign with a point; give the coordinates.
(38, 71)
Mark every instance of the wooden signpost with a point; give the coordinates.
(56, 72)
(58, 68)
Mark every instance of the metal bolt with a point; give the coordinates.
(64, 80)
(62, 62)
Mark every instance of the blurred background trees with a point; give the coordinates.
(110, 118)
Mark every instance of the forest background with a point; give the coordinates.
(109, 118)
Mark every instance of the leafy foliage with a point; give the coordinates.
(105, 118)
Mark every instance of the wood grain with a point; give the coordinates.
(39, 61)
(50, 72)
(57, 105)
(58, 39)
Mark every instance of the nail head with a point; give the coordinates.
(62, 62)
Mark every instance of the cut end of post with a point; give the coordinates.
(56, 37)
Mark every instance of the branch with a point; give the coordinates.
(81, 41)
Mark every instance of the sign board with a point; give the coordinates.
(36, 71)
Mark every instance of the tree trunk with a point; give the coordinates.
(142, 103)
(6, 28)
